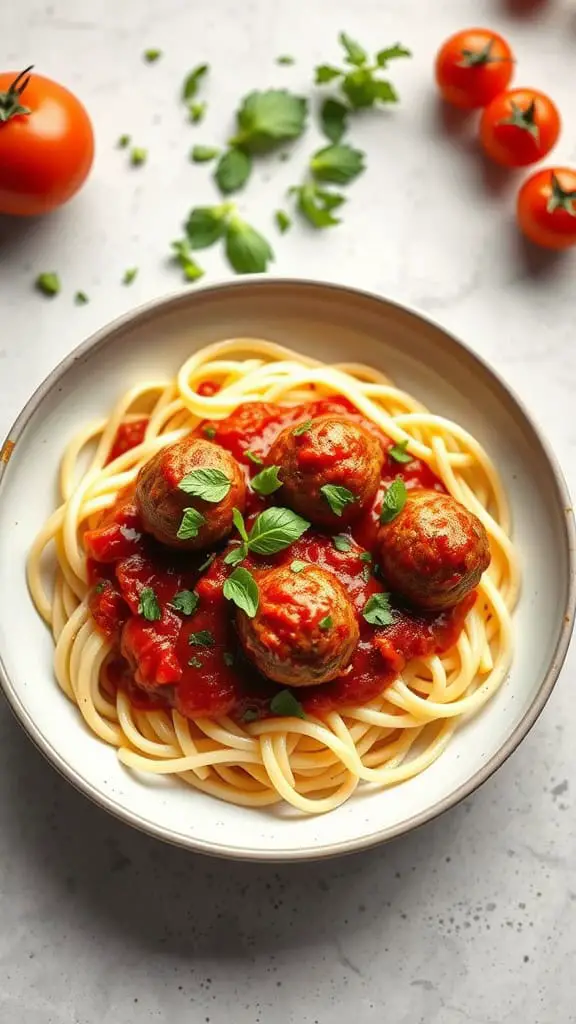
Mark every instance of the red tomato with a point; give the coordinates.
(546, 208)
(473, 66)
(519, 127)
(46, 144)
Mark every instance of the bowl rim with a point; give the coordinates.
(139, 316)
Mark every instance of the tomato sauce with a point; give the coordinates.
(195, 662)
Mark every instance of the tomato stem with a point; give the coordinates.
(477, 58)
(560, 199)
(10, 105)
(525, 119)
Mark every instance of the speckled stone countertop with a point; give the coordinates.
(473, 918)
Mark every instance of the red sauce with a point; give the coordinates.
(195, 662)
(128, 436)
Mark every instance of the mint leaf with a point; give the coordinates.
(316, 205)
(326, 73)
(203, 638)
(341, 542)
(398, 452)
(148, 605)
(203, 154)
(355, 54)
(286, 705)
(338, 164)
(269, 118)
(394, 501)
(206, 225)
(333, 119)
(377, 610)
(267, 481)
(283, 221)
(48, 284)
(242, 589)
(275, 529)
(233, 170)
(192, 81)
(192, 520)
(337, 497)
(185, 601)
(391, 53)
(208, 484)
(248, 251)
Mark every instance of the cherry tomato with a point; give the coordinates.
(473, 66)
(519, 127)
(546, 208)
(46, 144)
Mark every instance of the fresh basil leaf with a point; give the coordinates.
(298, 566)
(341, 542)
(203, 638)
(206, 225)
(48, 284)
(242, 589)
(398, 452)
(333, 119)
(302, 428)
(269, 118)
(337, 164)
(283, 221)
(233, 170)
(267, 481)
(316, 205)
(359, 88)
(148, 605)
(238, 521)
(195, 662)
(394, 501)
(208, 484)
(192, 520)
(286, 705)
(326, 73)
(192, 81)
(326, 623)
(391, 53)
(185, 601)
(337, 497)
(248, 251)
(377, 610)
(236, 555)
(253, 457)
(275, 529)
(355, 54)
(203, 154)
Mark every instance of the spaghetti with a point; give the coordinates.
(313, 763)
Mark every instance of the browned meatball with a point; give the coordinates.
(434, 552)
(163, 504)
(332, 452)
(305, 629)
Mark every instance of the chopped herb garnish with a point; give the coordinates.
(81, 299)
(192, 520)
(326, 622)
(190, 268)
(298, 566)
(185, 601)
(48, 284)
(366, 557)
(267, 481)
(398, 452)
(283, 221)
(394, 501)
(302, 428)
(341, 542)
(124, 142)
(130, 275)
(285, 704)
(233, 170)
(208, 484)
(360, 83)
(197, 111)
(192, 82)
(203, 638)
(338, 164)
(148, 605)
(228, 659)
(209, 431)
(203, 154)
(275, 529)
(285, 59)
(138, 156)
(150, 56)
(316, 204)
(253, 457)
(100, 587)
(334, 119)
(267, 119)
(377, 610)
(250, 715)
(337, 497)
(195, 662)
(242, 589)
(247, 250)
(236, 555)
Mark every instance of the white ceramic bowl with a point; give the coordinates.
(333, 324)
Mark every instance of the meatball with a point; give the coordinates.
(305, 629)
(162, 504)
(331, 452)
(434, 552)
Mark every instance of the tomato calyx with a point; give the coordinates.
(10, 105)
(476, 58)
(560, 199)
(524, 119)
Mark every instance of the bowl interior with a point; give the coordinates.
(332, 324)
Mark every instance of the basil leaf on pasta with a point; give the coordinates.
(286, 705)
(394, 501)
(242, 589)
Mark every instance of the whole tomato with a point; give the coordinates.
(546, 208)
(473, 66)
(46, 144)
(519, 127)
